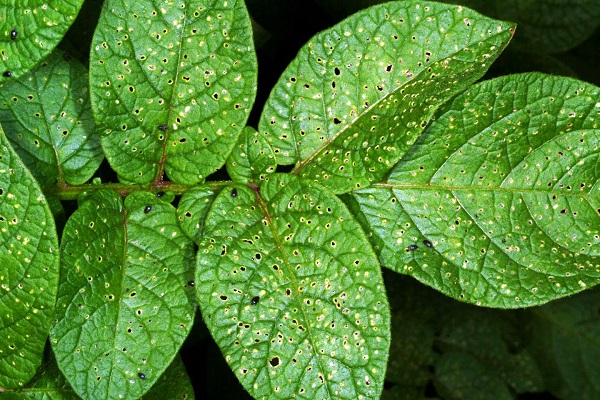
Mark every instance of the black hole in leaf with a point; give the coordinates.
(254, 300)
(147, 209)
(336, 121)
(336, 71)
(274, 361)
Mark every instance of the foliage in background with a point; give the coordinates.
(485, 192)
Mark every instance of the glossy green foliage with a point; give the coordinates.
(192, 209)
(253, 159)
(172, 86)
(292, 292)
(359, 94)
(28, 270)
(30, 30)
(124, 303)
(48, 119)
(497, 204)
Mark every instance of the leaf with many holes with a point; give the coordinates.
(253, 159)
(173, 384)
(30, 30)
(565, 337)
(48, 119)
(192, 209)
(124, 304)
(172, 86)
(292, 292)
(29, 262)
(359, 94)
(498, 202)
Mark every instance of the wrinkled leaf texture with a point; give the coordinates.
(172, 86)
(498, 202)
(124, 304)
(30, 30)
(29, 265)
(359, 94)
(292, 292)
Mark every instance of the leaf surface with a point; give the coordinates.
(29, 266)
(498, 202)
(48, 119)
(172, 86)
(253, 159)
(124, 304)
(292, 292)
(30, 30)
(359, 94)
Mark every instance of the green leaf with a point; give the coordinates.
(30, 30)
(125, 304)
(292, 292)
(29, 265)
(565, 336)
(359, 94)
(253, 159)
(497, 204)
(172, 86)
(192, 209)
(48, 119)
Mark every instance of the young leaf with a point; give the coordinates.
(359, 94)
(124, 306)
(30, 30)
(172, 86)
(252, 159)
(49, 121)
(292, 292)
(497, 203)
(28, 270)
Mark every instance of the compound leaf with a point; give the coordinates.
(498, 202)
(30, 30)
(359, 94)
(29, 269)
(292, 292)
(48, 119)
(172, 86)
(124, 304)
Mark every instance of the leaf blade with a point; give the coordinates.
(331, 332)
(29, 268)
(49, 121)
(498, 188)
(359, 94)
(31, 31)
(162, 104)
(124, 306)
